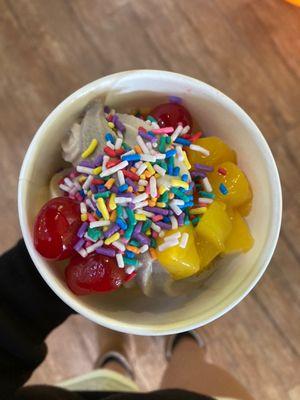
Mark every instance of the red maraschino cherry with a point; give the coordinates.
(94, 273)
(170, 114)
(55, 228)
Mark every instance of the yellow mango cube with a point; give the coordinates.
(235, 182)
(245, 208)
(208, 251)
(240, 238)
(219, 152)
(180, 263)
(215, 225)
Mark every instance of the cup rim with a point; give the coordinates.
(231, 299)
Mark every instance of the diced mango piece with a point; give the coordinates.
(180, 263)
(219, 152)
(245, 208)
(208, 250)
(235, 182)
(240, 238)
(215, 225)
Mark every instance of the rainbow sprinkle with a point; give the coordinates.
(223, 189)
(130, 196)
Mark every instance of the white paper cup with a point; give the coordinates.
(128, 310)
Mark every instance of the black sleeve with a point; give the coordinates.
(29, 310)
